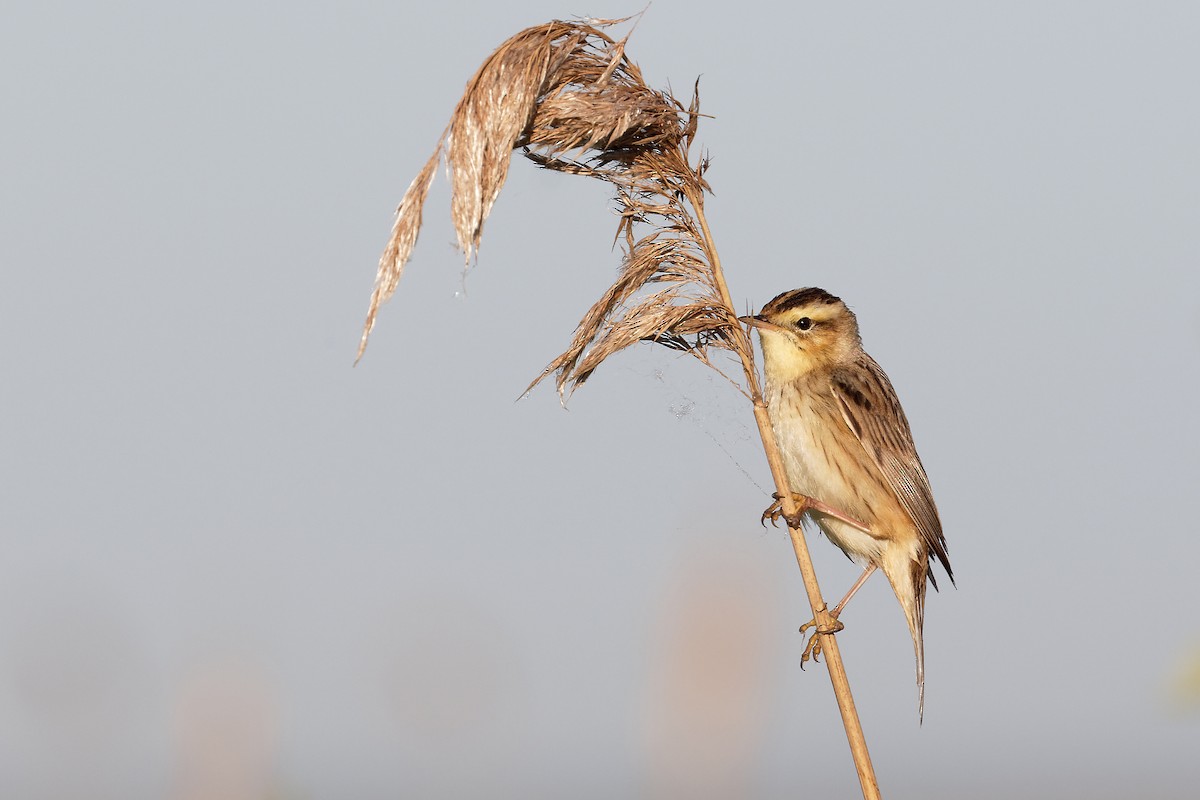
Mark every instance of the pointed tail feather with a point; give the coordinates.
(908, 582)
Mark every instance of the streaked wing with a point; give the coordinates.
(872, 411)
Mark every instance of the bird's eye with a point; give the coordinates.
(804, 323)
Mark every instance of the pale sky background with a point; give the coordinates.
(236, 567)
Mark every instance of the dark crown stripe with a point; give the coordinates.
(799, 297)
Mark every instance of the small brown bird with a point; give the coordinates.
(848, 450)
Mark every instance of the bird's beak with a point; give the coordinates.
(758, 322)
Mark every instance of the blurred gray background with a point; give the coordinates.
(233, 566)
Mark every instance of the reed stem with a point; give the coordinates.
(829, 647)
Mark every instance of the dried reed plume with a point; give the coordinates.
(567, 96)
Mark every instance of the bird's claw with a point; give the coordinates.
(813, 648)
(774, 511)
(803, 504)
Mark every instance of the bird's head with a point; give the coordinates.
(805, 330)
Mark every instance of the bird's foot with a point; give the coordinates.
(805, 503)
(774, 511)
(813, 648)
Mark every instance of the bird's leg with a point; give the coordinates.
(805, 503)
(858, 584)
(813, 648)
